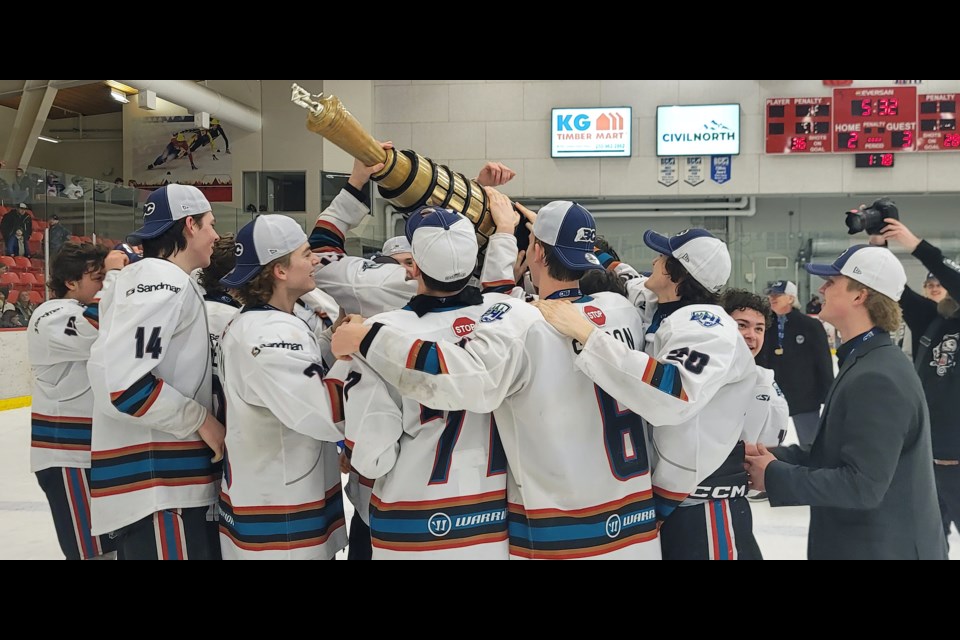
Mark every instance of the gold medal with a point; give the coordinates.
(778, 351)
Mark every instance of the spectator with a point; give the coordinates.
(796, 349)
(74, 190)
(4, 305)
(24, 307)
(10, 319)
(17, 245)
(16, 219)
(867, 478)
(934, 321)
(251, 208)
(54, 186)
(58, 235)
(813, 307)
(20, 187)
(118, 182)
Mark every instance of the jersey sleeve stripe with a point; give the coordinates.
(335, 390)
(497, 286)
(138, 399)
(426, 357)
(665, 378)
(92, 314)
(326, 237)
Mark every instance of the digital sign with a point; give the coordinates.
(698, 130)
(591, 133)
(798, 125)
(875, 119)
(874, 160)
(938, 123)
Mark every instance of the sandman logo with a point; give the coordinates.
(293, 346)
(147, 288)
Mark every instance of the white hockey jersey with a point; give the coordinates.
(692, 386)
(578, 481)
(357, 284)
(768, 413)
(220, 310)
(58, 343)
(439, 476)
(150, 374)
(280, 496)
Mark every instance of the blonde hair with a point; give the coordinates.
(884, 312)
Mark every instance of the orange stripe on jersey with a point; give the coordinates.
(61, 419)
(570, 554)
(670, 495)
(414, 352)
(150, 400)
(439, 545)
(586, 511)
(149, 446)
(445, 502)
(149, 484)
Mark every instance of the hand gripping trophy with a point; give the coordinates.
(408, 179)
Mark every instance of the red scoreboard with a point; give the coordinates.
(938, 123)
(875, 119)
(798, 125)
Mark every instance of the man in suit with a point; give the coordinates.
(869, 476)
(797, 350)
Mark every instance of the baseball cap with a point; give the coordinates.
(930, 277)
(260, 242)
(782, 286)
(23, 205)
(168, 204)
(703, 255)
(443, 243)
(397, 244)
(571, 230)
(873, 266)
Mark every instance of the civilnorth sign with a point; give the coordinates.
(698, 130)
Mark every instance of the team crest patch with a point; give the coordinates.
(800, 339)
(705, 318)
(945, 354)
(495, 312)
(370, 264)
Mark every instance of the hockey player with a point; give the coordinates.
(152, 477)
(61, 333)
(692, 385)
(221, 306)
(440, 484)
(578, 480)
(280, 496)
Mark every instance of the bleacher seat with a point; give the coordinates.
(36, 263)
(14, 294)
(28, 279)
(40, 224)
(36, 236)
(36, 297)
(7, 260)
(22, 263)
(39, 277)
(36, 248)
(9, 278)
(74, 238)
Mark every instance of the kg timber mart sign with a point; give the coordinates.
(591, 133)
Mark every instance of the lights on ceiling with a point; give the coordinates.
(46, 139)
(119, 96)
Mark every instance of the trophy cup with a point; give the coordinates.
(408, 179)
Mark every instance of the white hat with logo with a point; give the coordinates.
(703, 255)
(443, 243)
(871, 265)
(262, 241)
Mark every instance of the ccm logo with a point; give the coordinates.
(595, 316)
(463, 326)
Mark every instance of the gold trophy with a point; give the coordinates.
(408, 180)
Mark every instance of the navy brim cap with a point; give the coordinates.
(576, 259)
(657, 242)
(241, 274)
(822, 270)
(148, 231)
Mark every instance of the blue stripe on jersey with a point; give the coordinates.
(482, 520)
(666, 381)
(281, 527)
(326, 237)
(130, 400)
(68, 433)
(470, 520)
(81, 504)
(643, 517)
(722, 542)
(427, 359)
(153, 464)
(92, 313)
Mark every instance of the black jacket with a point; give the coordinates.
(868, 477)
(805, 370)
(935, 350)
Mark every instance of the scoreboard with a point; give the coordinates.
(938, 123)
(869, 120)
(875, 119)
(798, 125)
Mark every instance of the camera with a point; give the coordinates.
(871, 218)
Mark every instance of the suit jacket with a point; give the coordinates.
(805, 369)
(868, 477)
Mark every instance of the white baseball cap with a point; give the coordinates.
(873, 266)
(168, 204)
(782, 286)
(703, 255)
(443, 243)
(260, 242)
(397, 244)
(571, 230)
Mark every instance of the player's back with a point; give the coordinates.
(445, 494)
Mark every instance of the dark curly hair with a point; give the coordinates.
(689, 290)
(596, 280)
(736, 299)
(221, 263)
(72, 261)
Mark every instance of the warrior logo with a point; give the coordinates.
(439, 524)
(613, 526)
(945, 354)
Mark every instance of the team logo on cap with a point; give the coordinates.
(800, 339)
(149, 208)
(586, 234)
(238, 250)
(705, 318)
(592, 259)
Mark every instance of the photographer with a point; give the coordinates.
(936, 333)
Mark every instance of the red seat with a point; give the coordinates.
(7, 260)
(36, 263)
(36, 236)
(3, 210)
(9, 278)
(36, 248)
(27, 279)
(40, 224)
(36, 297)
(74, 238)
(22, 262)
(39, 277)
(13, 296)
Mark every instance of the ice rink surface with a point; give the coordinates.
(27, 533)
